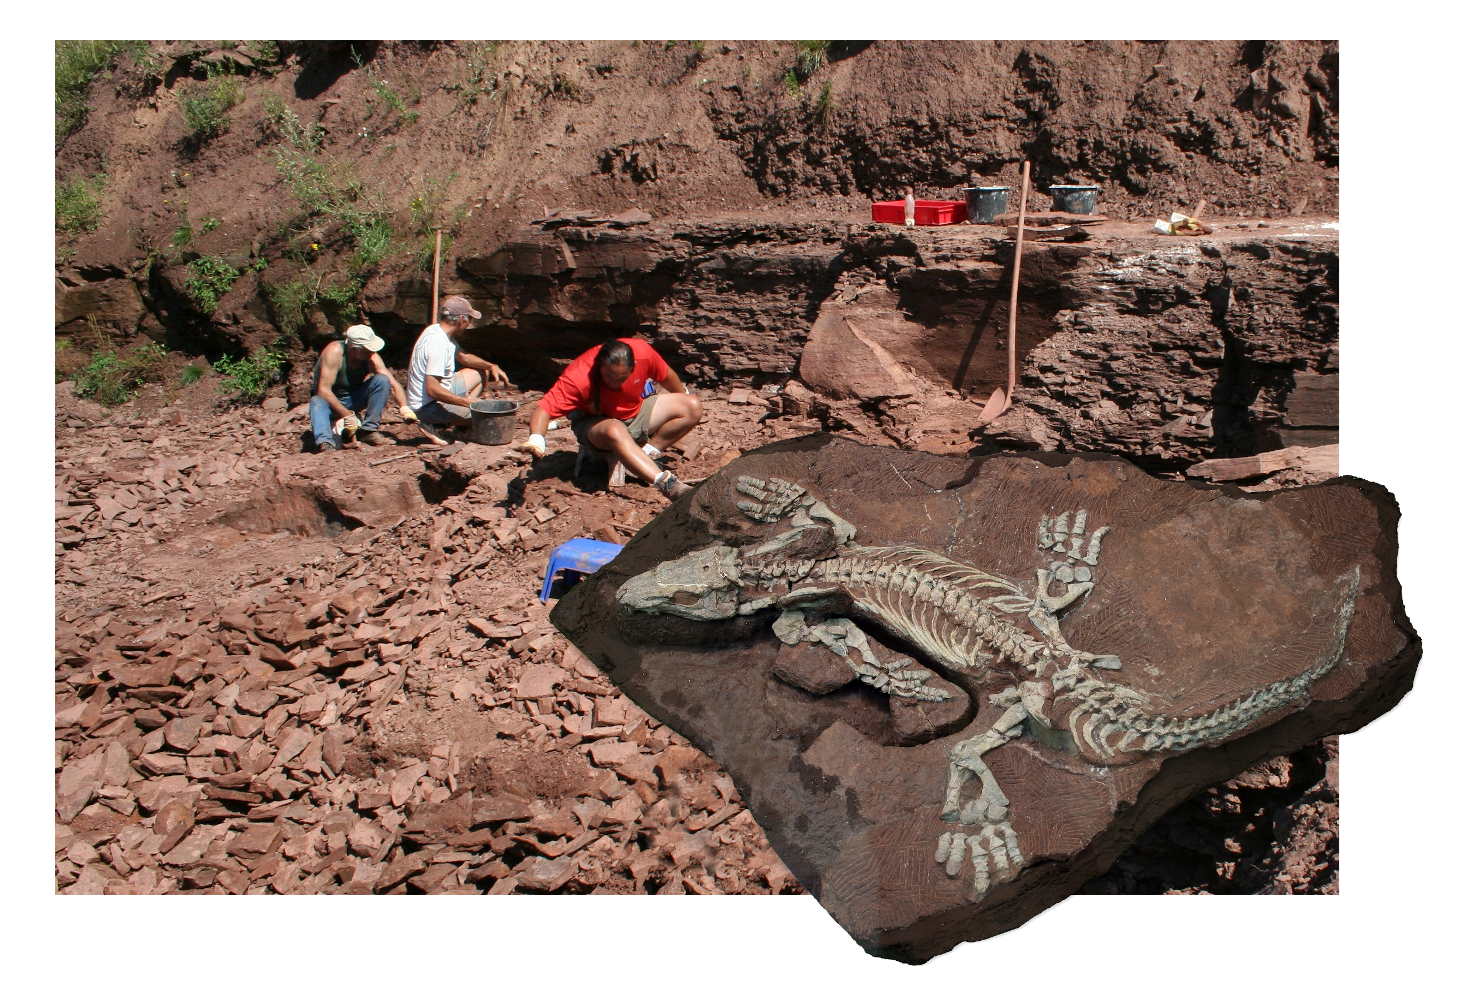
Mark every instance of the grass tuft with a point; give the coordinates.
(204, 107)
(78, 208)
(111, 380)
(825, 104)
(810, 56)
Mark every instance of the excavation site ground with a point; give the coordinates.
(281, 671)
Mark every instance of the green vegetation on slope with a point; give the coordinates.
(78, 62)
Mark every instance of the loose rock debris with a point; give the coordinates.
(375, 708)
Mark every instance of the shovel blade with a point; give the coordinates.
(999, 403)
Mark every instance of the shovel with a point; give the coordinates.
(1001, 399)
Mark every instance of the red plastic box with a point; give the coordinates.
(927, 212)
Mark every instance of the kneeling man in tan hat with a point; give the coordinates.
(350, 378)
(444, 380)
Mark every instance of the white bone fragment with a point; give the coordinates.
(957, 854)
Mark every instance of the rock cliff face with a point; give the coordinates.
(1163, 349)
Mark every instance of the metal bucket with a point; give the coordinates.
(493, 421)
(1074, 198)
(985, 203)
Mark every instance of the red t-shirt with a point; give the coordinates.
(573, 389)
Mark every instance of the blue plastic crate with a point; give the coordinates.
(577, 556)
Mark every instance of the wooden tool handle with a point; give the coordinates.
(1016, 277)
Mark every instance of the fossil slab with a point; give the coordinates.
(954, 689)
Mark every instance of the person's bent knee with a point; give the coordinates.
(695, 406)
(378, 381)
(607, 434)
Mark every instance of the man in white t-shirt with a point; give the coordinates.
(443, 380)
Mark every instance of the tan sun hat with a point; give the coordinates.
(459, 306)
(364, 337)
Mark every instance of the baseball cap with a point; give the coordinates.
(364, 337)
(459, 306)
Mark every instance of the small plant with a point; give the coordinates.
(209, 224)
(64, 256)
(373, 241)
(793, 85)
(210, 277)
(264, 52)
(482, 73)
(342, 299)
(62, 346)
(810, 56)
(824, 104)
(185, 232)
(204, 107)
(387, 94)
(424, 214)
(191, 374)
(564, 88)
(249, 377)
(111, 380)
(77, 206)
(698, 51)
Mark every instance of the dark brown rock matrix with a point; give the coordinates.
(1125, 643)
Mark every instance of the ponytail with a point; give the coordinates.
(614, 352)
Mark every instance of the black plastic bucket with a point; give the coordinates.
(1074, 198)
(983, 204)
(493, 421)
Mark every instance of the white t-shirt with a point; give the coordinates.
(435, 354)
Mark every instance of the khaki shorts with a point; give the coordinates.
(637, 426)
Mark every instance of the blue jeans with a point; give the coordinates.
(369, 398)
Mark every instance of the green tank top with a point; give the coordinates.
(349, 378)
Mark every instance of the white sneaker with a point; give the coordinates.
(652, 450)
(432, 432)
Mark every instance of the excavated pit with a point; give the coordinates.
(329, 494)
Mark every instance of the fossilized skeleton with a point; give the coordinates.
(963, 618)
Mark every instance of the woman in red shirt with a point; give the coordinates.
(601, 392)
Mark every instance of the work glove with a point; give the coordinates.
(351, 423)
(408, 414)
(535, 445)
